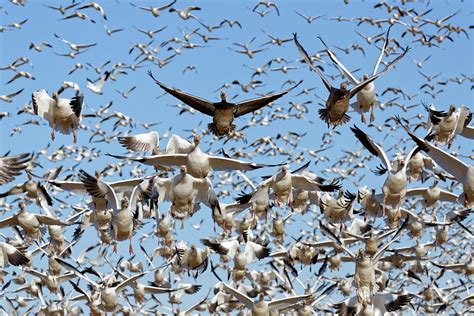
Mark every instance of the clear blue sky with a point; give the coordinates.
(216, 64)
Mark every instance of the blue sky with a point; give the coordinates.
(216, 65)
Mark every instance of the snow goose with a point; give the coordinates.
(417, 165)
(125, 217)
(98, 85)
(444, 126)
(30, 222)
(395, 185)
(198, 164)
(432, 195)
(11, 166)
(33, 190)
(155, 10)
(62, 115)
(366, 98)
(364, 276)
(337, 104)
(383, 304)
(461, 171)
(261, 307)
(223, 112)
(183, 191)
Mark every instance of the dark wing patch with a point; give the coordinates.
(76, 104)
(399, 303)
(249, 106)
(197, 103)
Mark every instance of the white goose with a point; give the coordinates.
(383, 304)
(366, 98)
(262, 307)
(461, 171)
(444, 126)
(183, 191)
(198, 164)
(124, 218)
(395, 186)
(433, 194)
(63, 115)
(30, 222)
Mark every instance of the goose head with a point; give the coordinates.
(223, 95)
(452, 108)
(124, 203)
(343, 87)
(197, 139)
(21, 206)
(55, 96)
(365, 77)
(183, 170)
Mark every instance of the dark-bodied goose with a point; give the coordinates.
(337, 103)
(223, 112)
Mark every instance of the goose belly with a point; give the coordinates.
(468, 187)
(394, 188)
(198, 167)
(366, 97)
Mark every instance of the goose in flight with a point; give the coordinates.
(383, 303)
(184, 191)
(364, 276)
(460, 170)
(30, 222)
(262, 307)
(395, 185)
(223, 112)
(337, 104)
(11, 166)
(444, 126)
(366, 98)
(63, 115)
(198, 164)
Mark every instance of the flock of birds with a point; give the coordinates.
(293, 242)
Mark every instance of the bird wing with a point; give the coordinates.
(43, 105)
(308, 61)
(249, 106)
(140, 142)
(9, 221)
(289, 300)
(468, 132)
(48, 220)
(178, 145)
(300, 181)
(334, 59)
(10, 167)
(355, 89)
(382, 51)
(445, 160)
(223, 163)
(371, 146)
(99, 189)
(244, 299)
(129, 281)
(73, 186)
(15, 256)
(158, 160)
(76, 104)
(196, 103)
(379, 254)
(326, 231)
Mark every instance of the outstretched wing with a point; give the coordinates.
(196, 103)
(249, 106)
